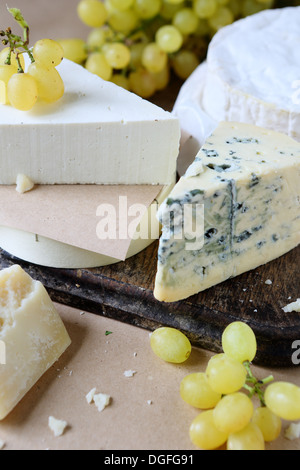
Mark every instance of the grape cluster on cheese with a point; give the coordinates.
(21, 89)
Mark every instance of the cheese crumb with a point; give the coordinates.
(268, 282)
(24, 184)
(101, 401)
(129, 373)
(293, 307)
(57, 426)
(90, 396)
(293, 432)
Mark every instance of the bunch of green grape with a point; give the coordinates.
(224, 392)
(22, 88)
(139, 44)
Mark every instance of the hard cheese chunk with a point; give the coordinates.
(97, 133)
(33, 334)
(248, 181)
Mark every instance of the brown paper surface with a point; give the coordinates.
(71, 214)
(146, 411)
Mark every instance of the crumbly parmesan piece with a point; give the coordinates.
(24, 184)
(57, 426)
(293, 432)
(293, 307)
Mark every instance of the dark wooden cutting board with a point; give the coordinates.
(125, 292)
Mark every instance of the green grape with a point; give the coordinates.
(283, 399)
(153, 58)
(117, 55)
(92, 13)
(174, 2)
(239, 342)
(96, 39)
(186, 21)
(168, 10)
(142, 83)
(224, 2)
(22, 91)
(250, 7)
(223, 17)
(162, 78)
(74, 49)
(249, 438)
(136, 54)
(48, 52)
(269, 424)
(123, 21)
(169, 39)
(122, 4)
(171, 345)
(205, 8)
(233, 413)
(236, 7)
(3, 94)
(225, 375)
(6, 72)
(13, 59)
(204, 434)
(147, 9)
(121, 81)
(49, 82)
(184, 63)
(97, 64)
(196, 391)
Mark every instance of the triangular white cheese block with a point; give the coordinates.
(97, 133)
(237, 207)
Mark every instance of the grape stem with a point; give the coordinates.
(256, 385)
(15, 42)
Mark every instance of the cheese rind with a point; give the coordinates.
(244, 77)
(33, 332)
(248, 183)
(97, 133)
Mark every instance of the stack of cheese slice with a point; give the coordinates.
(245, 180)
(96, 134)
(251, 75)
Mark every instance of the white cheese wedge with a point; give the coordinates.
(248, 185)
(97, 133)
(252, 72)
(33, 333)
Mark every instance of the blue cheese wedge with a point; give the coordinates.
(97, 133)
(245, 180)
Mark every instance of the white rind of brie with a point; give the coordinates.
(253, 70)
(97, 133)
(251, 75)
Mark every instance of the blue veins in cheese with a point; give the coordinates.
(246, 182)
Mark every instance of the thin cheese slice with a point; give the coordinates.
(246, 180)
(32, 331)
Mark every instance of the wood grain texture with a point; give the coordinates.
(125, 292)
